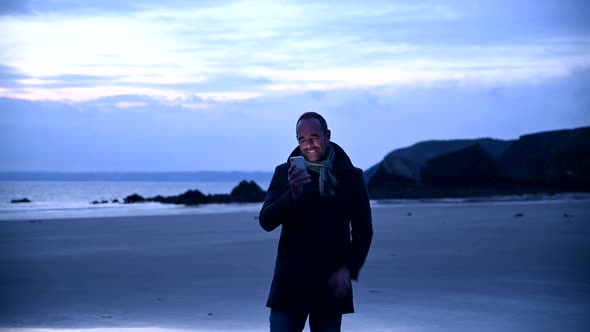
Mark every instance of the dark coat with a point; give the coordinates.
(316, 237)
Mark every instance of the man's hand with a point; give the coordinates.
(340, 282)
(297, 178)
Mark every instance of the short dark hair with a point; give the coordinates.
(314, 115)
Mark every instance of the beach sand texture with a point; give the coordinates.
(432, 267)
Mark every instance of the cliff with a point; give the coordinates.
(548, 161)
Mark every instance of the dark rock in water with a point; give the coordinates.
(191, 197)
(247, 192)
(135, 198)
(244, 192)
(115, 201)
(519, 215)
(24, 200)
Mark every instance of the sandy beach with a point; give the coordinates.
(432, 267)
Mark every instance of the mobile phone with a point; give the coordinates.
(299, 162)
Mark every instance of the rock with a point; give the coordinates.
(401, 167)
(555, 159)
(244, 192)
(418, 154)
(552, 161)
(191, 197)
(394, 171)
(247, 192)
(23, 200)
(469, 167)
(135, 198)
(159, 199)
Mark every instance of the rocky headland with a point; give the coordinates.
(546, 162)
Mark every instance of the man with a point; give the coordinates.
(318, 254)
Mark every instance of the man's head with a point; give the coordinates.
(313, 136)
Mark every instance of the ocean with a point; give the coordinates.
(65, 195)
(62, 195)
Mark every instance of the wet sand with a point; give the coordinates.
(432, 267)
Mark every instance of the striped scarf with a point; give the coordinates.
(324, 167)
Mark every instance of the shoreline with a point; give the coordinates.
(20, 212)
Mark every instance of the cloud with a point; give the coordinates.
(192, 133)
(74, 80)
(11, 77)
(129, 104)
(236, 48)
(177, 85)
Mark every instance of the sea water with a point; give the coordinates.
(75, 199)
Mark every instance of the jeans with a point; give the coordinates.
(283, 321)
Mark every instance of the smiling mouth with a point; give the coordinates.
(312, 155)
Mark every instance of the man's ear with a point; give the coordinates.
(328, 134)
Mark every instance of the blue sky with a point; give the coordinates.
(218, 85)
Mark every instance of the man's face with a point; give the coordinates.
(313, 142)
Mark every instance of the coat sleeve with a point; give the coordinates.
(362, 228)
(278, 204)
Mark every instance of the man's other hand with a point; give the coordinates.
(340, 282)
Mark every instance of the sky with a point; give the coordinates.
(178, 85)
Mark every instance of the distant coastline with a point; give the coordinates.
(225, 176)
